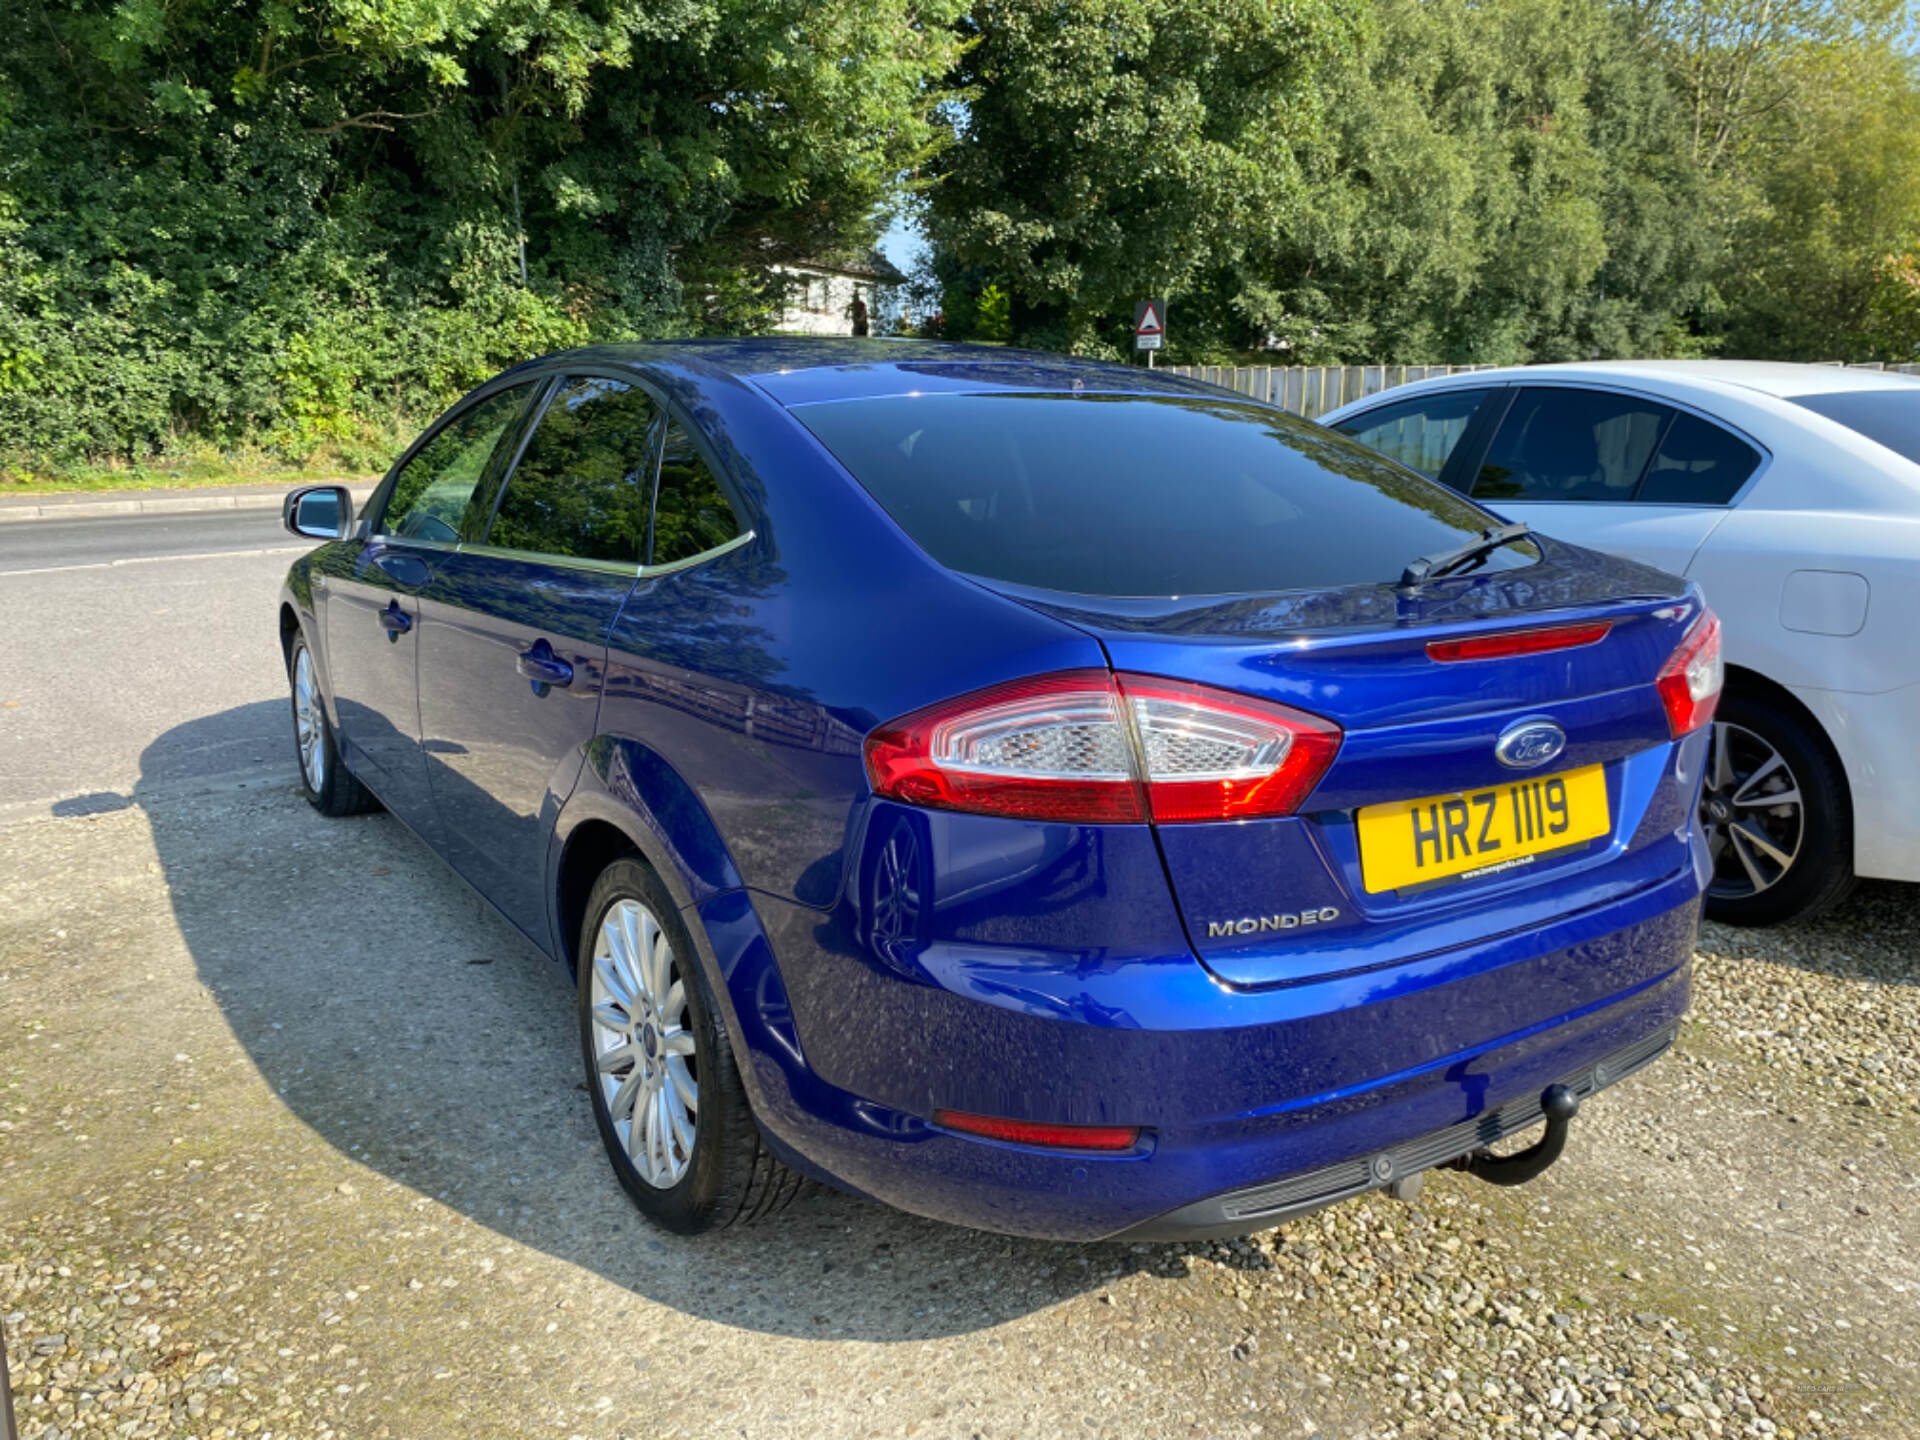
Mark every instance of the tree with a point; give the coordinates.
(1833, 199)
(1891, 330)
(1114, 149)
(1500, 184)
(1436, 180)
(312, 221)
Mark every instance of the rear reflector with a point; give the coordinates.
(1091, 748)
(1519, 642)
(1052, 1137)
(1691, 680)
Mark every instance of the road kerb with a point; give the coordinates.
(151, 505)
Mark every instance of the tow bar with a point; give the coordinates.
(1560, 1105)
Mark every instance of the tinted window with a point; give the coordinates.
(1698, 463)
(1141, 495)
(1886, 417)
(580, 487)
(1570, 445)
(692, 514)
(1420, 433)
(430, 497)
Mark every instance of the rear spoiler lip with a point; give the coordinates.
(1582, 584)
(1400, 633)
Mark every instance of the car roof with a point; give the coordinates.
(1781, 379)
(804, 370)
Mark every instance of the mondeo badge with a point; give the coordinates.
(1530, 743)
(1254, 924)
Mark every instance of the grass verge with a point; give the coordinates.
(186, 473)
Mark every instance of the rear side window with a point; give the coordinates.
(431, 495)
(1419, 433)
(1564, 444)
(1146, 495)
(691, 514)
(1886, 417)
(580, 489)
(1697, 463)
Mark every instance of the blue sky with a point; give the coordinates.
(903, 244)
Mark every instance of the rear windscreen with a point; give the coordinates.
(1886, 417)
(1142, 495)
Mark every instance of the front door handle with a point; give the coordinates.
(543, 668)
(395, 621)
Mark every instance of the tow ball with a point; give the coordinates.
(1560, 1105)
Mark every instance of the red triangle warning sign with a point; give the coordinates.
(1149, 321)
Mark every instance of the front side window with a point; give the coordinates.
(1143, 495)
(431, 496)
(1564, 444)
(1697, 463)
(580, 489)
(691, 514)
(1886, 417)
(1419, 433)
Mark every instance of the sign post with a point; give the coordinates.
(1149, 327)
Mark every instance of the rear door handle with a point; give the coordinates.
(543, 668)
(394, 620)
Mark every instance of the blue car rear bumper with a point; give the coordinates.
(847, 1057)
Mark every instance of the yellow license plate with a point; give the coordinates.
(1480, 832)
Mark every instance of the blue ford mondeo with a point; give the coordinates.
(1043, 795)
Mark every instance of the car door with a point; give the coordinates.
(373, 590)
(514, 635)
(1614, 470)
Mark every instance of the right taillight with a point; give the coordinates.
(1094, 748)
(1691, 680)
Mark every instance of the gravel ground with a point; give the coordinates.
(290, 1145)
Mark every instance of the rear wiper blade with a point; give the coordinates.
(1432, 567)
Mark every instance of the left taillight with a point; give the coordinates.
(1090, 747)
(1691, 680)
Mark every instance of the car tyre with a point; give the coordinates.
(328, 785)
(1761, 748)
(659, 1065)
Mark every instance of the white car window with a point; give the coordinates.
(1698, 463)
(1886, 417)
(1420, 433)
(1559, 443)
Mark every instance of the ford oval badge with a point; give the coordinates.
(1530, 743)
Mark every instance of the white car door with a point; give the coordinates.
(1613, 470)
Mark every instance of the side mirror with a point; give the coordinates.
(319, 512)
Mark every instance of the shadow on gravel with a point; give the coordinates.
(1874, 934)
(417, 1033)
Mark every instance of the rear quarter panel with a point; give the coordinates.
(1744, 571)
(1667, 537)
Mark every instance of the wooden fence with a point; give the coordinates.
(1312, 390)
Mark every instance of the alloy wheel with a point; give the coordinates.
(308, 723)
(643, 1044)
(1752, 812)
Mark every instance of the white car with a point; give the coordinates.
(1791, 494)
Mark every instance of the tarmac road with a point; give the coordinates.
(292, 1145)
(50, 546)
(116, 631)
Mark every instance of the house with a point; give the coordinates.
(821, 292)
